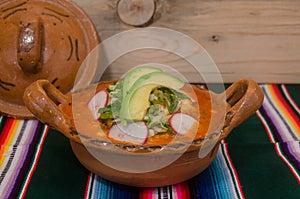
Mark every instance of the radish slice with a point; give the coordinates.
(135, 133)
(99, 100)
(181, 123)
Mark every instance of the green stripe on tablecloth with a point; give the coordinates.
(250, 132)
(58, 173)
(261, 171)
(294, 91)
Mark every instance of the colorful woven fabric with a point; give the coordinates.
(259, 159)
(20, 144)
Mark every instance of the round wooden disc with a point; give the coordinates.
(136, 12)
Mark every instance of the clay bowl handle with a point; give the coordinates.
(244, 98)
(44, 101)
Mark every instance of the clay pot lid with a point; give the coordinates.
(40, 40)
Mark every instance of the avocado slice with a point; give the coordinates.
(133, 75)
(135, 104)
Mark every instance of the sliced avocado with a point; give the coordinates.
(138, 105)
(133, 75)
(135, 104)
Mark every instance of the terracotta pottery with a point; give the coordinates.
(48, 104)
(40, 40)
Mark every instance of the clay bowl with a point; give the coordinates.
(141, 165)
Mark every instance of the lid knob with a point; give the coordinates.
(30, 46)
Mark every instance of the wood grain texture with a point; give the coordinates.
(257, 39)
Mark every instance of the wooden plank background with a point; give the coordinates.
(259, 39)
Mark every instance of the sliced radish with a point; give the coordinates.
(136, 132)
(98, 101)
(181, 122)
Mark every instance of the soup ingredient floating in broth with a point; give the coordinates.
(181, 123)
(100, 100)
(136, 132)
(136, 102)
(133, 75)
(145, 103)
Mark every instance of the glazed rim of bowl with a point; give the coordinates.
(178, 146)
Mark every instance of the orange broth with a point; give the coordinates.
(209, 120)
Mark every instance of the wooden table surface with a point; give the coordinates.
(259, 39)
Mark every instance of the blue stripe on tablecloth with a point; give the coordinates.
(103, 189)
(219, 180)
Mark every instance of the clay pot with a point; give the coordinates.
(40, 40)
(117, 162)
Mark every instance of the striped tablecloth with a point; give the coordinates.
(259, 159)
